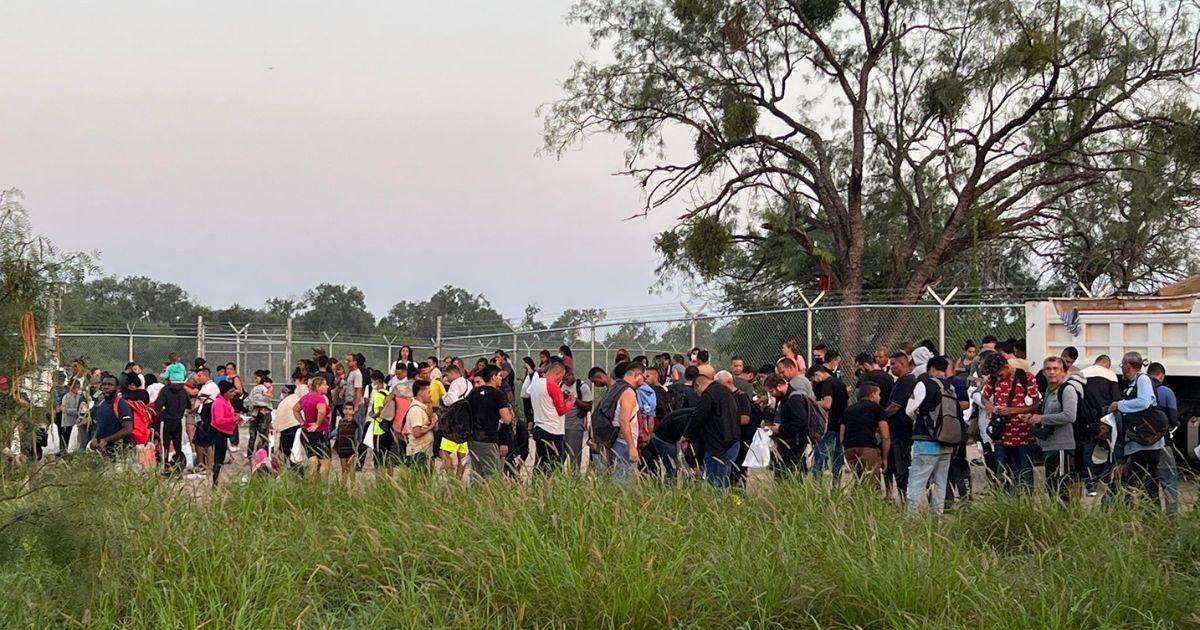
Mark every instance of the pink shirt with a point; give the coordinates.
(224, 418)
(308, 407)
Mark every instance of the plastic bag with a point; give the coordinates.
(759, 453)
(369, 436)
(73, 445)
(189, 453)
(53, 441)
(299, 454)
(146, 457)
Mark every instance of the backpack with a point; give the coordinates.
(400, 423)
(455, 421)
(942, 416)
(1086, 416)
(388, 412)
(1145, 427)
(605, 428)
(143, 417)
(817, 417)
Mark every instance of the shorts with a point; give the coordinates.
(454, 447)
(190, 419)
(317, 444)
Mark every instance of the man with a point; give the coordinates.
(930, 457)
(737, 367)
(833, 363)
(1009, 393)
(599, 378)
(575, 422)
(453, 452)
(172, 404)
(549, 411)
(871, 372)
(989, 343)
(421, 423)
(818, 355)
(621, 399)
(1100, 390)
(746, 427)
(1141, 460)
(508, 377)
(716, 421)
(899, 424)
(132, 372)
(833, 398)
(284, 423)
(703, 365)
(790, 425)
(1070, 355)
(491, 423)
(399, 375)
(862, 422)
(881, 360)
(437, 388)
(204, 392)
(1167, 472)
(1054, 427)
(677, 369)
(682, 394)
(787, 368)
(113, 422)
(653, 400)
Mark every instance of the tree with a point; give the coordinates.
(285, 308)
(338, 308)
(462, 314)
(113, 302)
(875, 144)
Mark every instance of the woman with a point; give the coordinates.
(313, 411)
(406, 358)
(567, 358)
(479, 365)
(520, 448)
(70, 413)
(622, 356)
(259, 402)
(338, 389)
(969, 354)
(224, 424)
(543, 361)
(791, 350)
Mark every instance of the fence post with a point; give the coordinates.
(437, 342)
(237, 342)
(270, 349)
(199, 335)
(809, 311)
(941, 314)
(389, 346)
(329, 340)
(593, 322)
(130, 329)
(287, 348)
(693, 315)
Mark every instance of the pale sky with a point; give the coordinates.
(292, 143)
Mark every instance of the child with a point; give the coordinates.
(344, 444)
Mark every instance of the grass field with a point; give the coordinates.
(114, 550)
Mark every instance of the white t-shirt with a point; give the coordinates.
(354, 380)
(545, 414)
(209, 392)
(457, 389)
(285, 415)
(153, 390)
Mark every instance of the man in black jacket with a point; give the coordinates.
(172, 403)
(1100, 390)
(790, 424)
(716, 421)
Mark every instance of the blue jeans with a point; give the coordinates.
(618, 460)
(829, 447)
(668, 454)
(1167, 475)
(1016, 466)
(926, 468)
(717, 465)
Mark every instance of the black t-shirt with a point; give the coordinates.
(882, 379)
(486, 402)
(836, 390)
(899, 423)
(139, 395)
(746, 408)
(862, 421)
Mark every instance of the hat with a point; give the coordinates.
(320, 351)
(225, 386)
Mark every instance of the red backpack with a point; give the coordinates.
(143, 417)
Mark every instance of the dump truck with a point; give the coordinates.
(1163, 327)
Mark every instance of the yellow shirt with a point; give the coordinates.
(437, 389)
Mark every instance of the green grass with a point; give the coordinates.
(117, 551)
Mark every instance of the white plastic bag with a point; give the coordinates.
(53, 441)
(369, 435)
(299, 454)
(189, 454)
(759, 453)
(73, 445)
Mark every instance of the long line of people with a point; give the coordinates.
(901, 422)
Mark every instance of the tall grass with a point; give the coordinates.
(405, 552)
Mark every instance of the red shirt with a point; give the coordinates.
(309, 406)
(1016, 432)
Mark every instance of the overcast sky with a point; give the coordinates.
(246, 150)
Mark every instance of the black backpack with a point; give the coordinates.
(1144, 427)
(604, 418)
(455, 421)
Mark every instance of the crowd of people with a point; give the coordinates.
(898, 422)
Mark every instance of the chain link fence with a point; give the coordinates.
(755, 337)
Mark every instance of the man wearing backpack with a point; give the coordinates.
(1100, 391)
(1142, 431)
(172, 404)
(1009, 394)
(1167, 472)
(113, 418)
(1054, 426)
(937, 428)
